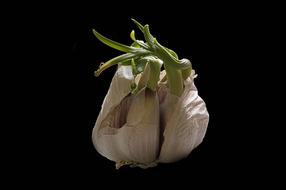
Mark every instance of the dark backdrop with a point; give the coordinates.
(223, 43)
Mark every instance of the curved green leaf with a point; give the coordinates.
(132, 35)
(169, 59)
(148, 37)
(139, 43)
(114, 61)
(138, 24)
(119, 59)
(172, 53)
(113, 44)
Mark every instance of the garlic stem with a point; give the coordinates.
(186, 73)
(175, 80)
(154, 76)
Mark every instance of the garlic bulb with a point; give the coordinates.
(149, 115)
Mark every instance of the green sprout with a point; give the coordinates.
(149, 56)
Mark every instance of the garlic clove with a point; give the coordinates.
(127, 129)
(139, 137)
(184, 120)
(118, 90)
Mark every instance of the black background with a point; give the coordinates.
(61, 98)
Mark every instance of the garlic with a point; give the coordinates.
(149, 116)
(184, 121)
(127, 128)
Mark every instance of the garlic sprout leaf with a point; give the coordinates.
(113, 44)
(139, 43)
(138, 25)
(114, 61)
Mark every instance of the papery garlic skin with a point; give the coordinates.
(184, 120)
(137, 140)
